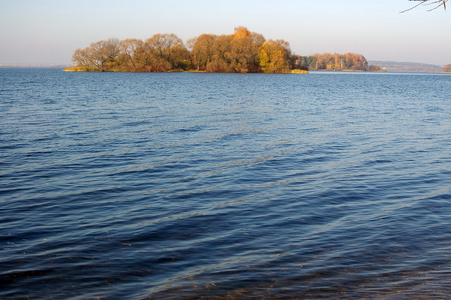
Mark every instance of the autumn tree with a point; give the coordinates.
(322, 61)
(131, 53)
(244, 52)
(286, 48)
(111, 47)
(221, 60)
(237, 52)
(166, 52)
(273, 57)
(447, 68)
(360, 63)
(298, 62)
(104, 53)
(258, 38)
(101, 55)
(202, 52)
(81, 58)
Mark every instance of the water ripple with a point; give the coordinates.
(224, 186)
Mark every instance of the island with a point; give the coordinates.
(241, 52)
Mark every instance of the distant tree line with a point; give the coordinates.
(160, 53)
(333, 62)
(447, 68)
(240, 52)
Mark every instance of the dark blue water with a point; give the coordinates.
(182, 185)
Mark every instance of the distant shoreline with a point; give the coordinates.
(396, 66)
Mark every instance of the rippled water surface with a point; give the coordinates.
(183, 185)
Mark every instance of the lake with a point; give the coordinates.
(224, 186)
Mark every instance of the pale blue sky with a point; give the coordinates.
(48, 31)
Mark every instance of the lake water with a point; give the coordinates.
(189, 185)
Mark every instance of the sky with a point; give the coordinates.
(47, 32)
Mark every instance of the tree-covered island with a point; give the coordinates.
(241, 52)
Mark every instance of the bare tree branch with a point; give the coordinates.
(436, 3)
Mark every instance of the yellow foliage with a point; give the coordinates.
(272, 58)
(264, 58)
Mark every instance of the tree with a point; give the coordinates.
(80, 58)
(286, 48)
(168, 51)
(447, 68)
(112, 49)
(273, 58)
(244, 52)
(101, 55)
(310, 60)
(298, 62)
(237, 52)
(202, 52)
(220, 61)
(258, 38)
(130, 53)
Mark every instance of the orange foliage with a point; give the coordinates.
(241, 32)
